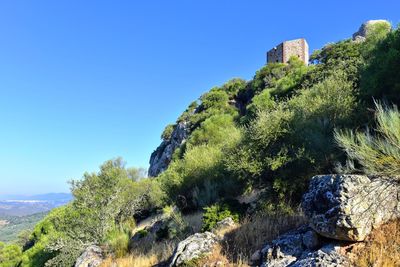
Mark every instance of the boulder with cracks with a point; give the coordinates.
(349, 207)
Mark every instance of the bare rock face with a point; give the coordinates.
(302, 247)
(162, 156)
(362, 33)
(193, 248)
(348, 207)
(91, 257)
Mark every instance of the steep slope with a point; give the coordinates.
(270, 134)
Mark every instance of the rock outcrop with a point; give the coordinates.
(348, 207)
(302, 247)
(162, 156)
(91, 257)
(193, 248)
(341, 209)
(362, 33)
(199, 245)
(223, 226)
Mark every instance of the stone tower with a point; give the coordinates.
(287, 49)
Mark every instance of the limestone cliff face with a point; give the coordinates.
(162, 156)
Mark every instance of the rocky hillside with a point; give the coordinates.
(230, 175)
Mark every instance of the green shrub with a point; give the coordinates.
(287, 145)
(217, 130)
(10, 255)
(378, 153)
(233, 86)
(381, 79)
(166, 134)
(117, 240)
(199, 178)
(262, 101)
(216, 213)
(101, 201)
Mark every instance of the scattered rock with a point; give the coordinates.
(362, 33)
(162, 156)
(286, 249)
(302, 247)
(91, 257)
(194, 247)
(348, 207)
(327, 256)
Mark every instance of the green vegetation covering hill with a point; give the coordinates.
(271, 133)
(13, 226)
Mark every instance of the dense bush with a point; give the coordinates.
(104, 204)
(217, 130)
(381, 79)
(199, 178)
(378, 153)
(117, 239)
(290, 143)
(10, 255)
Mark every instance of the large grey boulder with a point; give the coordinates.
(194, 247)
(302, 247)
(364, 29)
(161, 157)
(91, 257)
(348, 207)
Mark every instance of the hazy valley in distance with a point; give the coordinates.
(22, 212)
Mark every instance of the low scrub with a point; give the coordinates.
(144, 256)
(376, 153)
(255, 231)
(382, 249)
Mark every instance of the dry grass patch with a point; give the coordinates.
(131, 261)
(382, 249)
(254, 232)
(145, 256)
(194, 221)
(218, 258)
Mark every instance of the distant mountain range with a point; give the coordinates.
(22, 205)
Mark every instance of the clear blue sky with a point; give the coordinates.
(85, 81)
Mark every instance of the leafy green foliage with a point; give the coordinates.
(345, 56)
(117, 239)
(216, 130)
(10, 255)
(378, 154)
(103, 204)
(262, 101)
(380, 79)
(166, 135)
(234, 86)
(375, 33)
(288, 144)
(216, 213)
